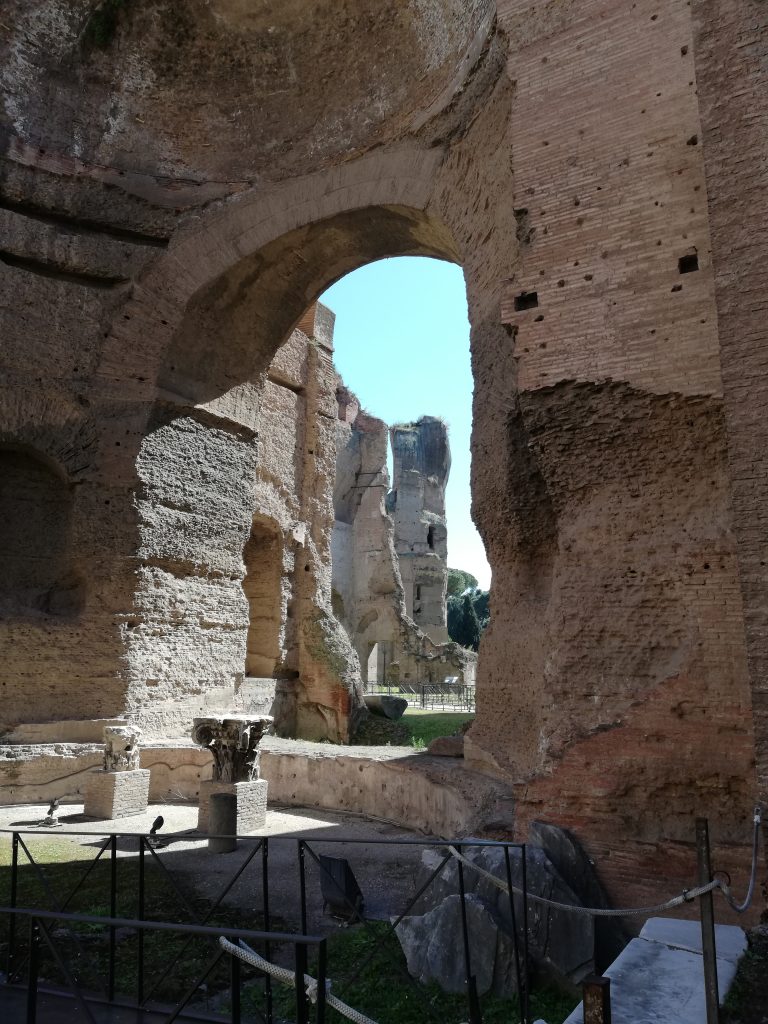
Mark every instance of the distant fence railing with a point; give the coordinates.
(445, 696)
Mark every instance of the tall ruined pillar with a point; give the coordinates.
(421, 463)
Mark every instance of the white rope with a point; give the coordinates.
(685, 897)
(286, 977)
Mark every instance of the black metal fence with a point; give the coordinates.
(445, 696)
(151, 964)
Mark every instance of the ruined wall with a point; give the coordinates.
(731, 44)
(369, 597)
(421, 462)
(169, 214)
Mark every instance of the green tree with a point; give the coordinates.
(459, 580)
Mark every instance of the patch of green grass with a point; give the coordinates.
(425, 726)
(386, 993)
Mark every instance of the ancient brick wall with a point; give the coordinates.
(731, 46)
(168, 218)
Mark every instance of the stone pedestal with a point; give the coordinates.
(233, 741)
(116, 794)
(251, 803)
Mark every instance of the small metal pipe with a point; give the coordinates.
(140, 916)
(302, 887)
(14, 892)
(112, 913)
(513, 915)
(266, 921)
(302, 1009)
(34, 963)
(596, 993)
(235, 989)
(526, 999)
(322, 973)
(707, 912)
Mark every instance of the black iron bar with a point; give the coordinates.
(707, 912)
(140, 937)
(515, 933)
(526, 996)
(322, 974)
(302, 886)
(163, 926)
(34, 964)
(185, 836)
(234, 989)
(302, 1009)
(266, 922)
(472, 998)
(14, 892)
(113, 913)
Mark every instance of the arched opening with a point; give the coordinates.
(37, 575)
(262, 587)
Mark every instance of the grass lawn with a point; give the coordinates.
(424, 726)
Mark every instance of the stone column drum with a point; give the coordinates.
(121, 788)
(234, 743)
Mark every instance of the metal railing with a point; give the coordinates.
(135, 867)
(432, 696)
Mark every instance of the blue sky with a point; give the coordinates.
(402, 345)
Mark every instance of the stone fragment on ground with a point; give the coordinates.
(572, 863)
(447, 746)
(659, 977)
(560, 944)
(385, 705)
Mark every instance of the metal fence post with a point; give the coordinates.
(14, 891)
(112, 913)
(34, 965)
(707, 912)
(596, 992)
(265, 899)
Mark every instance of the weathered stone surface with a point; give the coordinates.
(434, 949)
(116, 794)
(568, 858)
(251, 803)
(385, 705)
(560, 943)
(371, 553)
(155, 258)
(447, 746)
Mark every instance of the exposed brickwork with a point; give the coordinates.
(732, 73)
(112, 795)
(251, 803)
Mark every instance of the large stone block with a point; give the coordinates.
(111, 795)
(251, 803)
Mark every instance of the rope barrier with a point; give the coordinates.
(286, 977)
(686, 896)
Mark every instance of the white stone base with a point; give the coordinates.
(251, 803)
(111, 795)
